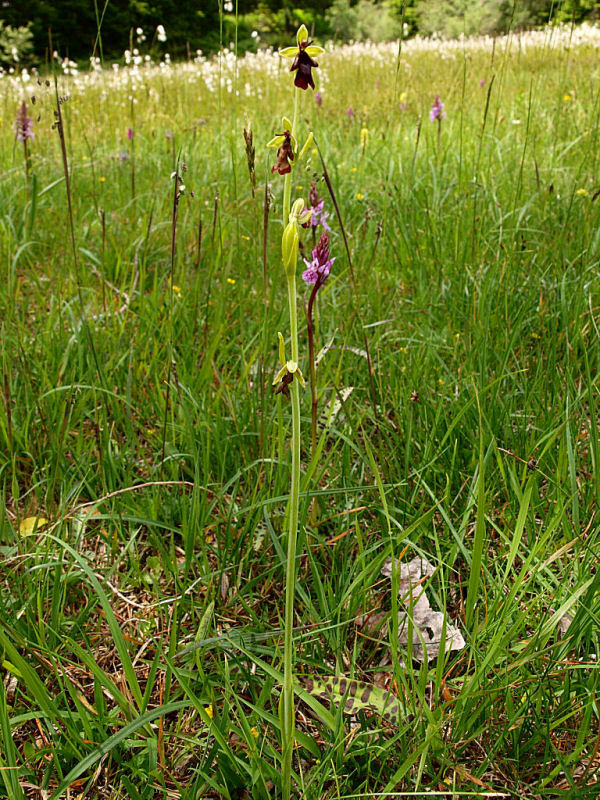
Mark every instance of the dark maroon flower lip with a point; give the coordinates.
(303, 65)
(285, 154)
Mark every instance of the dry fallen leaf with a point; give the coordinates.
(31, 525)
(427, 624)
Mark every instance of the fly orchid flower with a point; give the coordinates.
(289, 370)
(287, 146)
(303, 58)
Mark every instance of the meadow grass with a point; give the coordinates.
(141, 620)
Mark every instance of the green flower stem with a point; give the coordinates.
(288, 711)
(287, 183)
(288, 717)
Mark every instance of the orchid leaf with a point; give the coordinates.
(355, 696)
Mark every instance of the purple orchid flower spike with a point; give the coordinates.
(23, 124)
(437, 110)
(316, 206)
(319, 267)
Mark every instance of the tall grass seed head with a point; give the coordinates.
(250, 155)
(302, 54)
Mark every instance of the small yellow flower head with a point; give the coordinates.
(583, 192)
(209, 711)
(567, 98)
(364, 137)
(231, 281)
(359, 196)
(254, 732)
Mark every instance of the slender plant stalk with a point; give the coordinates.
(310, 328)
(58, 117)
(26, 154)
(288, 711)
(132, 149)
(174, 214)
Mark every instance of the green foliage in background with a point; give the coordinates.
(15, 43)
(71, 26)
(363, 20)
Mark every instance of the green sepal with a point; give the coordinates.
(276, 141)
(289, 52)
(300, 376)
(307, 144)
(302, 35)
(314, 50)
(278, 378)
(289, 368)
